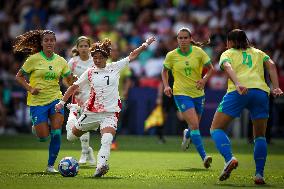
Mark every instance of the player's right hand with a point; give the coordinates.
(242, 90)
(168, 91)
(277, 92)
(58, 107)
(34, 91)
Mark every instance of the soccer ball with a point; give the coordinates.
(68, 167)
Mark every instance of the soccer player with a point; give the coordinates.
(44, 69)
(244, 65)
(186, 64)
(79, 63)
(103, 106)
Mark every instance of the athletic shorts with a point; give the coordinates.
(92, 121)
(40, 114)
(256, 101)
(184, 103)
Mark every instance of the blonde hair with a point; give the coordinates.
(103, 47)
(75, 51)
(30, 42)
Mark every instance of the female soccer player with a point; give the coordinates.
(187, 63)
(103, 105)
(44, 69)
(79, 63)
(244, 65)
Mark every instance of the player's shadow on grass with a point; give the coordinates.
(190, 170)
(243, 185)
(87, 167)
(104, 178)
(41, 173)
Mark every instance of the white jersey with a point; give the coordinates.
(104, 96)
(78, 67)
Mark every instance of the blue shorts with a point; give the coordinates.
(184, 103)
(256, 101)
(40, 114)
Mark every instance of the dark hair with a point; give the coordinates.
(103, 47)
(196, 43)
(30, 42)
(239, 39)
(75, 51)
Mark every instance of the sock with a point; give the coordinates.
(222, 143)
(197, 141)
(54, 145)
(71, 122)
(85, 142)
(104, 151)
(187, 135)
(260, 153)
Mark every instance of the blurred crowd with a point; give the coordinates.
(127, 23)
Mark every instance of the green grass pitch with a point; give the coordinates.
(140, 162)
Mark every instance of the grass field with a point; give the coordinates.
(140, 163)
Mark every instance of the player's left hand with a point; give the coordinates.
(200, 84)
(150, 40)
(58, 107)
(277, 92)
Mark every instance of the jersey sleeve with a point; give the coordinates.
(119, 65)
(264, 56)
(168, 63)
(224, 58)
(27, 67)
(83, 79)
(66, 70)
(205, 59)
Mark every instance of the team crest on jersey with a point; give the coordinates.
(50, 67)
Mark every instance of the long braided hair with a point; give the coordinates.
(30, 42)
(196, 43)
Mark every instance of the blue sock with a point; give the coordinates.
(187, 135)
(260, 153)
(197, 141)
(222, 143)
(54, 145)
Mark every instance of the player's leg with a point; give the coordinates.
(86, 149)
(108, 130)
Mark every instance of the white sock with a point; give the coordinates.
(85, 142)
(104, 152)
(72, 121)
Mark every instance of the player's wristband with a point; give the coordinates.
(62, 102)
(145, 45)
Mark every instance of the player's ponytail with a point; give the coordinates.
(239, 39)
(196, 43)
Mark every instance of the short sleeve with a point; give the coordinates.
(83, 79)
(224, 58)
(119, 65)
(27, 67)
(264, 56)
(168, 63)
(205, 58)
(66, 70)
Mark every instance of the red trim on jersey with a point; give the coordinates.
(74, 65)
(120, 106)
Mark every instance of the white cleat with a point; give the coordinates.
(101, 171)
(83, 158)
(185, 141)
(50, 169)
(91, 157)
(229, 167)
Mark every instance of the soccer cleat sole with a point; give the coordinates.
(259, 182)
(227, 172)
(208, 162)
(103, 170)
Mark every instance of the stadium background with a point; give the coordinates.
(127, 23)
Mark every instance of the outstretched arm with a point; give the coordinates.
(270, 65)
(134, 54)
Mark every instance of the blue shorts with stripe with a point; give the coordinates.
(40, 114)
(256, 101)
(184, 103)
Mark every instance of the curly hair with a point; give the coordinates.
(196, 43)
(103, 47)
(30, 42)
(75, 51)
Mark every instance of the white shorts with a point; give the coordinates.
(92, 121)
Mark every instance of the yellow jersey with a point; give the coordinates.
(248, 65)
(44, 73)
(187, 70)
